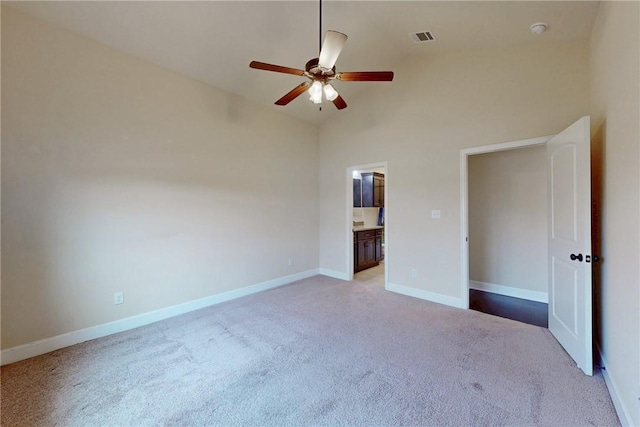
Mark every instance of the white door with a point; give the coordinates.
(569, 181)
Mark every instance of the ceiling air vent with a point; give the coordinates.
(422, 37)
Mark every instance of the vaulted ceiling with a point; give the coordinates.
(214, 41)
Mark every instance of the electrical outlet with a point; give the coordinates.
(414, 272)
(435, 214)
(290, 262)
(118, 298)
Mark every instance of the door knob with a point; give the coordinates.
(576, 257)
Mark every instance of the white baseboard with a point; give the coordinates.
(510, 291)
(335, 274)
(621, 409)
(425, 295)
(46, 345)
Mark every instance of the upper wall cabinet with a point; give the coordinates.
(369, 190)
(357, 193)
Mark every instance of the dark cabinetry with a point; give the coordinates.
(378, 243)
(372, 190)
(367, 249)
(369, 191)
(357, 193)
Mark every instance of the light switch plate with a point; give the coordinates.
(118, 298)
(435, 214)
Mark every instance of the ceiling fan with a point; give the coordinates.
(321, 71)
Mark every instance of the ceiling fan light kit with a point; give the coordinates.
(320, 71)
(330, 92)
(315, 92)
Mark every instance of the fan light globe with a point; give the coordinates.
(330, 92)
(315, 92)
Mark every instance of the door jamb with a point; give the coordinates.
(464, 199)
(349, 217)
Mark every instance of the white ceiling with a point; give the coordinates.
(214, 41)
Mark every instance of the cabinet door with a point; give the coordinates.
(372, 190)
(378, 246)
(357, 193)
(355, 254)
(370, 251)
(378, 191)
(362, 254)
(367, 190)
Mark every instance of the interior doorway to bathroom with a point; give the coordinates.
(367, 207)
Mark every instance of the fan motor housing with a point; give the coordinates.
(316, 70)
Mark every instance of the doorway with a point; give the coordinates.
(507, 204)
(464, 198)
(568, 235)
(367, 223)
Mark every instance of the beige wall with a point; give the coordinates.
(367, 215)
(615, 111)
(118, 175)
(508, 218)
(435, 107)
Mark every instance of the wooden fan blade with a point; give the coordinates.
(365, 76)
(293, 94)
(331, 48)
(339, 103)
(277, 68)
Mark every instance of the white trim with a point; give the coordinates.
(510, 291)
(464, 201)
(335, 274)
(349, 223)
(385, 245)
(464, 228)
(46, 345)
(621, 409)
(425, 295)
(503, 146)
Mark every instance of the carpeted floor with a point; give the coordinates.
(317, 352)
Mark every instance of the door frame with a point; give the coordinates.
(349, 216)
(464, 199)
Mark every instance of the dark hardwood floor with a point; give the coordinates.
(531, 312)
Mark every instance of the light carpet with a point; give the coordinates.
(320, 351)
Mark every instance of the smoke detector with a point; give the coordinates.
(539, 28)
